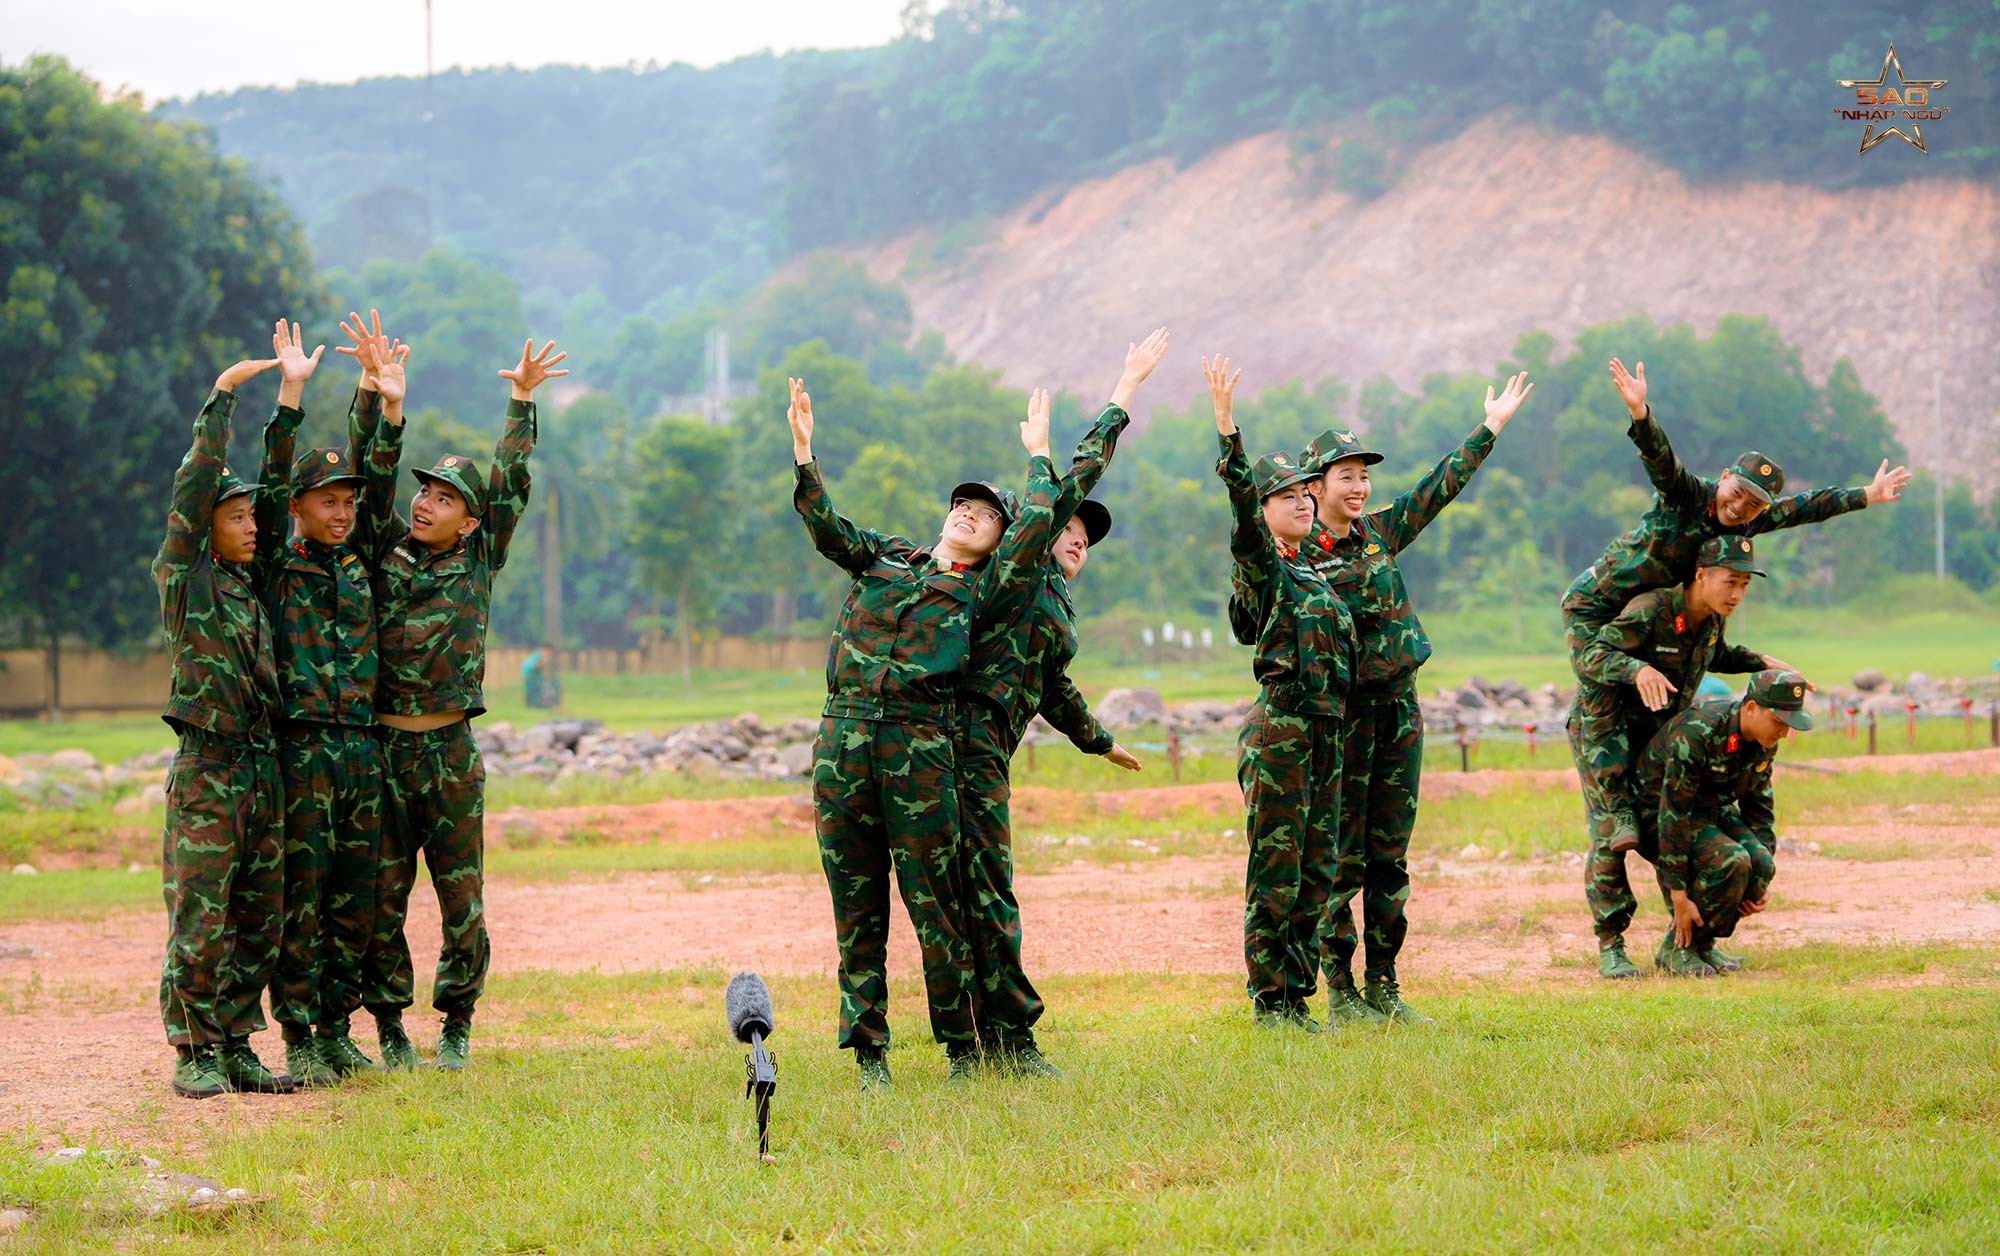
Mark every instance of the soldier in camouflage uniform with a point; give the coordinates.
(433, 588)
(1019, 669)
(1289, 751)
(222, 852)
(1687, 511)
(320, 596)
(885, 784)
(1354, 549)
(1640, 671)
(1707, 782)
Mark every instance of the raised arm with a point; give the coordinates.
(508, 482)
(1093, 452)
(1008, 583)
(1681, 488)
(295, 367)
(191, 507)
(832, 535)
(385, 454)
(370, 349)
(1402, 519)
(1253, 553)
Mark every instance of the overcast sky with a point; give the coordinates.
(168, 48)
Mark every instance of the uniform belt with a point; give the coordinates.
(890, 710)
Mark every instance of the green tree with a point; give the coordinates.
(138, 263)
(680, 520)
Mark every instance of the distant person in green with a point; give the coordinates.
(1660, 552)
(1354, 549)
(1289, 751)
(433, 590)
(540, 688)
(1708, 814)
(885, 778)
(222, 853)
(1641, 670)
(1020, 668)
(320, 596)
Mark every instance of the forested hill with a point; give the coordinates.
(656, 187)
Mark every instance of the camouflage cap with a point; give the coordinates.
(318, 467)
(461, 475)
(232, 485)
(979, 490)
(1096, 519)
(1274, 472)
(1732, 552)
(1764, 478)
(1783, 694)
(1331, 446)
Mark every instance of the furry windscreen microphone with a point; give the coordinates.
(748, 1005)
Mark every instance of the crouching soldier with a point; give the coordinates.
(1640, 671)
(1709, 775)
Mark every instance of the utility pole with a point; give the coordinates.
(1937, 410)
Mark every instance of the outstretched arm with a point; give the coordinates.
(280, 436)
(832, 535)
(1008, 583)
(1093, 452)
(1402, 519)
(509, 482)
(1828, 503)
(191, 508)
(1066, 711)
(370, 349)
(1681, 488)
(1253, 554)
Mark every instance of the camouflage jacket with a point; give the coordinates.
(1654, 630)
(431, 607)
(1361, 567)
(320, 596)
(1661, 550)
(1302, 629)
(1019, 667)
(904, 637)
(225, 679)
(1700, 766)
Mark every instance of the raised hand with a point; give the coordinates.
(390, 379)
(799, 414)
(534, 369)
(1887, 485)
(1631, 387)
(370, 348)
(1121, 757)
(1222, 392)
(1035, 430)
(1500, 409)
(1654, 687)
(235, 376)
(295, 367)
(1140, 359)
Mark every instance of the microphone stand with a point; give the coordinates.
(761, 1082)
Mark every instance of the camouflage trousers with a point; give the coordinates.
(333, 845)
(1604, 761)
(1005, 1005)
(1382, 761)
(436, 794)
(1289, 768)
(222, 875)
(1727, 866)
(885, 795)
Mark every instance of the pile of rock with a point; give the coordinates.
(67, 779)
(1481, 703)
(557, 750)
(1872, 693)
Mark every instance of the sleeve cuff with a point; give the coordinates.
(808, 472)
(519, 409)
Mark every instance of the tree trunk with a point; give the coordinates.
(684, 629)
(54, 657)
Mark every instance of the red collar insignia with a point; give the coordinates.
(1680, 624)
(299, 548)
(1284, 550)
(1733, 742)
(961, 566)
(1325, 540)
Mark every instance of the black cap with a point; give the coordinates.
(1096, 521)
(980, 490)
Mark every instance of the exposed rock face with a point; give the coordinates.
(1446, 269)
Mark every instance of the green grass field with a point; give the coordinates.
(1830, 1100)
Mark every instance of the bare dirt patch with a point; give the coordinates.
(85, 1054)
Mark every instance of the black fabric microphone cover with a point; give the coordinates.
(748, 1005)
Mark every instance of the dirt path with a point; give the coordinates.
(82, 1036)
